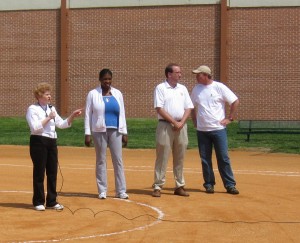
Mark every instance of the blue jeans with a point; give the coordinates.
(218, 140)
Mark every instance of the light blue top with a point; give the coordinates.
(112, 112)
(94, 120)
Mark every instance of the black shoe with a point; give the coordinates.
(232, 190)
(209, 189)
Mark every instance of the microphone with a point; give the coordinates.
(50, 107)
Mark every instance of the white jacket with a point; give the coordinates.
(95, 112)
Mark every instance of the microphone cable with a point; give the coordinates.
(169, 220)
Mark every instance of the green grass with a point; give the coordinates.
(141, 134)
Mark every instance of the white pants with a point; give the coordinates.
(113, 140)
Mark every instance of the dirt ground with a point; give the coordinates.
(266, 210)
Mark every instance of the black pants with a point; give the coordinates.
(43, 152)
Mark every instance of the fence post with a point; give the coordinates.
(223, 43)
(64, 59)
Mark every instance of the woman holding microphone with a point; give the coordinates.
(42, 119)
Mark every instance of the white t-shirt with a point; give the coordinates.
(209, 101)
(173, 100)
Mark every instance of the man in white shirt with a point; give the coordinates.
(173, 106)
(209, 98)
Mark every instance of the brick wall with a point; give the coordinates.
(264, 62)
(137, 44)
(29, 54)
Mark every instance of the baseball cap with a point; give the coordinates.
(202, 69)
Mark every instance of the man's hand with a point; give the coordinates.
(178, 125)
(225, 122)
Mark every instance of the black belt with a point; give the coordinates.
(162, 120)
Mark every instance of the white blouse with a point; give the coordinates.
(36, 114)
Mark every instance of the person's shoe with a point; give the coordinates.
(102, 195)
(156, 193)
(57, 207)
(39, 208)
(209, 189)
(122, 195)
(181, 192)
(232, 190)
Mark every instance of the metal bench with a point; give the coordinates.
(249, 127)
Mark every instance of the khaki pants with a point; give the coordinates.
(167, 141)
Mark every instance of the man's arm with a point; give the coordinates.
(233, 109)
(194, 118)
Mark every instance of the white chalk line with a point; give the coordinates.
(159, 212)
(186, 170)
(157, 221)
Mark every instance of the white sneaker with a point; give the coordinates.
(39, 208)
(122, 195)
(57, 207)
(102, 195)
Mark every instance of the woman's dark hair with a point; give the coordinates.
(103, 72)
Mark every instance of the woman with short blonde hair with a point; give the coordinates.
(42, 119)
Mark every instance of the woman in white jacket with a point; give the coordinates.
(105, 121)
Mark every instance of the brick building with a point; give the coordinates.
(137, 41)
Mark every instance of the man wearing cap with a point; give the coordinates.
(209, 98)
(173, 105)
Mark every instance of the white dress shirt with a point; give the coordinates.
(173, 100)
(36, 114)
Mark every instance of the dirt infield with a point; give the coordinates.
(266, 210)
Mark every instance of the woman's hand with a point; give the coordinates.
(77, 112)
(74, 114)
(124, 140)
(87, 140)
